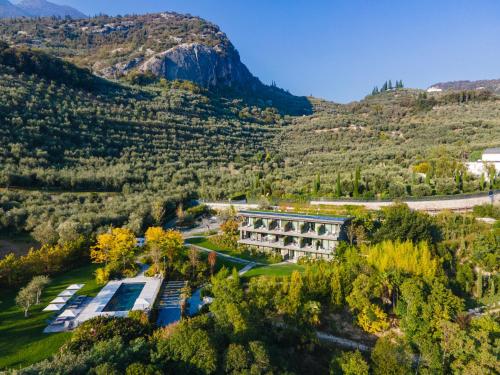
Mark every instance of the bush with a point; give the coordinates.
(104, 328)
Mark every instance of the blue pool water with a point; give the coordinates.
(124, 297)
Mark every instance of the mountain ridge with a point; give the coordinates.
(483, 84)
(37, 8)
(158, 46)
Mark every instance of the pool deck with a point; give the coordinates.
(144, 301)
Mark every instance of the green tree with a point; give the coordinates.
(236, 359)
(391, 357)
(357, 178)
(349, 363)
(38, 283)
(25, 299)
(338, 190)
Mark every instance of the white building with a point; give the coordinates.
(491, 156)
(434, 89)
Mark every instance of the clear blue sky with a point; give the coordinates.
(339, 50)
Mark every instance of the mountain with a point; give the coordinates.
(43, 8)
(9, 10)
(37, 8)
(165, 45)
(179, 111)
(492, 85)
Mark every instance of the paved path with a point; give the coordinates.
(169, 307)
(345, 343)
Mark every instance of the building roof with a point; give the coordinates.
(283, 215)
(493, 150)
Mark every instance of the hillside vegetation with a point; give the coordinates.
(65, 129)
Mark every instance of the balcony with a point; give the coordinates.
(281, 231)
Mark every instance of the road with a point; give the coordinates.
(428, 205)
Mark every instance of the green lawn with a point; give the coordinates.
(22, 341)
(273, 270)
(207, 244)
(222, 262)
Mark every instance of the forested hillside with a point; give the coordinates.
(402, 143)
(65, 129)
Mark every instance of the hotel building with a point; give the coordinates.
(292, 235)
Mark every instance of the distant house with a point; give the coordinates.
(434, 89)
(491, 156)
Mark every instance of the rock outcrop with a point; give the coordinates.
(207, 66)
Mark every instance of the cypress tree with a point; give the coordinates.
(339, 187)
(357, 176)
(384, 87)
(479, 285)
(458, 181)
(390, 85)
(317, 184)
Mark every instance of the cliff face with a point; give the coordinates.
(168, 45)
(205, 65)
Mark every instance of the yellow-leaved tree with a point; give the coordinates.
(406, 256)
(156, 241)
(116, 246)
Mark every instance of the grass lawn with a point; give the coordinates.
(222, 262)
(22, 341)
(207, 244)
(273, 270)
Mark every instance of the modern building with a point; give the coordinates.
(292, 235)
(491, 156)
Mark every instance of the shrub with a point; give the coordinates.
(104, 328)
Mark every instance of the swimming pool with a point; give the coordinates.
(124, 297)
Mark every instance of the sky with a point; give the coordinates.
(340, 49)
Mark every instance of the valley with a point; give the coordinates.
(141, 157)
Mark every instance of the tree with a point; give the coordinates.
(229, 308)
(45, 233)
(349, 363)
(156, 239)
(212, 261)
(117, 247)
(193, 256)
(158, 210)
(25, 299)
(236, 359)
(317, 184)
(10, 268)
(401, 223)
(339, 186)
(188, 349)
(184, 296)
(472, 349)
(357, 177)
(38, 283)
(391, 357)
(174, 243)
